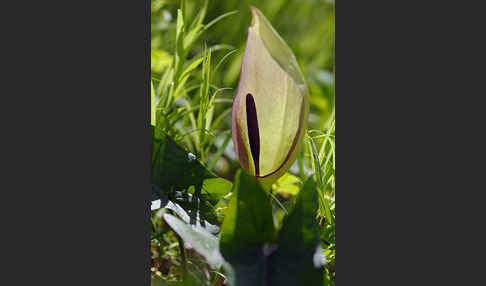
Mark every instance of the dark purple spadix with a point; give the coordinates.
(253, 133)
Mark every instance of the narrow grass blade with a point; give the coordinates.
(219, 151)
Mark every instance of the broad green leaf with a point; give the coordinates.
(180, 177)
(248, 225)
(182, 205)
(298, 258)
(201, 240)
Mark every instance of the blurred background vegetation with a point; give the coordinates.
(308, 28)
(306, 25)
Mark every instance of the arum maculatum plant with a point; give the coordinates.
(254, 245)
(269, 119)
(271, 106)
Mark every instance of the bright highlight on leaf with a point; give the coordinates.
(270, 107)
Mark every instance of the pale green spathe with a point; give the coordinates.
(270, 73)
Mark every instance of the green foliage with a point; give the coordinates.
(294, 262)
(252, 253)
(195, 62)
(202, 241)
(179, 177)
(248, 238)
(248, 225)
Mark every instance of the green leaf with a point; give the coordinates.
(201, 240)
(179, 49)
(192, 36)
(219, 18)
(248, 225)
(298, 258)
(320, 180)
(195, 27)
(198, 20)
(192, 66)
(222, 60)
(204, 100)
(182, 179)
(162, 89)
(286, 185)
(185, 76)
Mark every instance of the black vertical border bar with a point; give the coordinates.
(148, 138)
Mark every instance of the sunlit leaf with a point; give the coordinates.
(178, 176)
(287, 185)
(248, 225)
(201, 240)
(297, 260)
